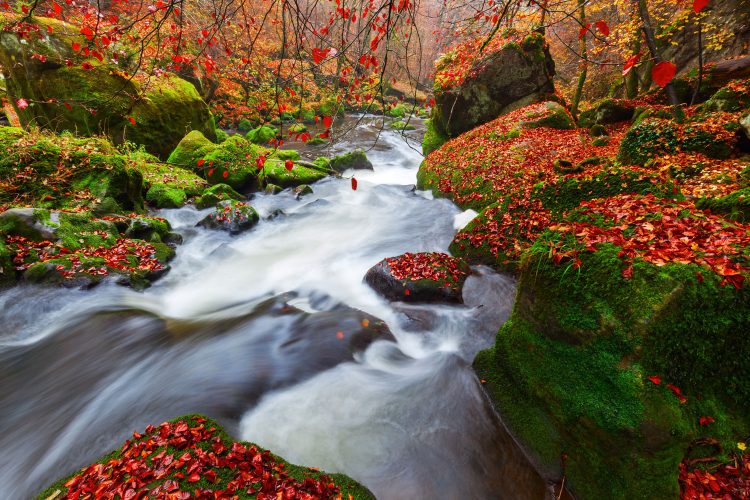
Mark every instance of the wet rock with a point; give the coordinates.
(423, 277)
(30, 223)
(355, 160)
(232, 216)
(215, 194)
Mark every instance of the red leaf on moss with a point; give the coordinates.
(289, 164)
(655, 379)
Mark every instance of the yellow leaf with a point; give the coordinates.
(742, 446)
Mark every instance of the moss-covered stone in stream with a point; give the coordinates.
(262, 134)
(569, 370)
(286, 154)
(356, 160)
(275, 172)
(163, 196)
(7, 270)
(400, 110)
(216, 193)
(402, 125)
(275, 467)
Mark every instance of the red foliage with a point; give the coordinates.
(664, 231)
(663, 72)
(438, 267)
(729, 481)
(165, 462)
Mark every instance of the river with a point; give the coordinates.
(244, 329)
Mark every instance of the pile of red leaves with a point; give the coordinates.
(663, 231)
(727, 482)
(700, 176)
(115, 257)
(499, 157)
(433, 266)
(188, 459)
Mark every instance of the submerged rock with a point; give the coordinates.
(421, 277)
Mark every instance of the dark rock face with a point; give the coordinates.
(232, 216)
(507, 79)
(443, 286)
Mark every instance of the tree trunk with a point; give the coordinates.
(584, 61)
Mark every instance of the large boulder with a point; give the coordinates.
(501, 81)
(66, 90)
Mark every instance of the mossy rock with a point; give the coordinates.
(234, 163)
(170, 108)
(215, 194)
(232, 216)
(607, 111)
(569, 370)
(356, 160)
(33, 224)
(731, 98)
(552, 115)
(162, 196)
(400, 110)
(734, 206)
(221, 136)
(330, 107)
(276, 469)
(316, 141)
(598, 131)
(7, 269)
(190, 150)
(262, 134)
(275, 172)
(648, 139)
(286, 154)
(297, 128)
(401, 125)
(433, 138)
(164, 109)
(245, 125)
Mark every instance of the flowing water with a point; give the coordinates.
(245, 328)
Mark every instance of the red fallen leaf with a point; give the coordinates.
(225, 174)
(210, 172)
(260, 162)
(602, 27)
(22, 103)
(194, 477)
(56, 7)
(201, 162)
(663, 72)
(705, 420)
(354, 184)
(289, 164)
(340, 335)
(583, 31)
(365, 323)
(699, 5)
(87, 66)
(655, 379)
(627, 273)
(327, 121)
(131, 120)
(677, 392)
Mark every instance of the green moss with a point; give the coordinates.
(217, 193)
(286, 154)
(163, 196)
(192, 148)
(262, 134)
(7, 270)
(568, 370)
(245, 125)
(356, 159)
(275, 172)
(401, 125)
(433, 138)
(297, 128)
(646, 140)
(732, 98)
(349, 488)
(316, 141)
(400, 110)
(553, 116)
(221, 136)
(330, 107)
(233, 163)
